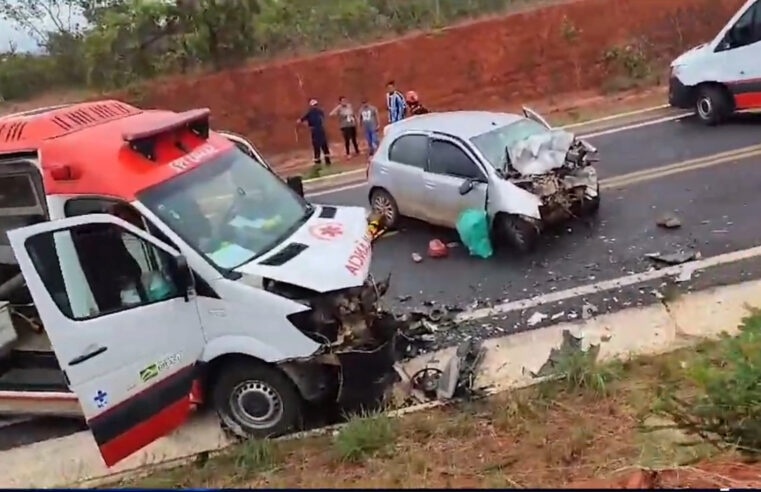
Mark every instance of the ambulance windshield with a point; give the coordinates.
(231, 209)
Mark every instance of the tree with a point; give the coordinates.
(40, 18)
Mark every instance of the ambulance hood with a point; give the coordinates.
(691, 55)
(331, 251)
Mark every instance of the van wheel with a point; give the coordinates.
(518, 232)
(712, 105)
(254, 400)
(384, 204)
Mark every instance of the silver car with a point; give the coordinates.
(522, 172)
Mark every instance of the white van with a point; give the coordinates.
(723, 75)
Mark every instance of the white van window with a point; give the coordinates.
(96, 269)
(747, 29)
(230, 209)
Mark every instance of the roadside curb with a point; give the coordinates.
(316, 185)
(508, 364)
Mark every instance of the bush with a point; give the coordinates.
(723, 402)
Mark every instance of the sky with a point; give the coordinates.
(7, 34)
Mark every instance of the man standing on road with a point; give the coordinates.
(347, 122)
(395, 103)
(370, 121)
(314, 117)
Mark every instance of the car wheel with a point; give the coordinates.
(384, 204)
(712, 105)
(254, 400)
(518, 232)
(590, 206)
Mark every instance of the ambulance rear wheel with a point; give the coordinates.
(256, 401)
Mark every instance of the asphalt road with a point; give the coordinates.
(718, 206)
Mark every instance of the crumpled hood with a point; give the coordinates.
(337, 254)
(539, 154)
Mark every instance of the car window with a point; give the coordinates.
(447, 158)
(93, 270)
(410, 149)
(747, 29)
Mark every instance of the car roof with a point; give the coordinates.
(461, 124)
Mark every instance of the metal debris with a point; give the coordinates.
(536, 318)
(685, 275)
(669, 220)
(460, 372)
(588, 311)
(557, 315)
(676, 258)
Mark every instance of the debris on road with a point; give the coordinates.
(685, 275)
(416, 258)
(437, 249)
(676, 258)
(458, 378)
(473, 228)
(669, 220)
(571, 345)
(536, 318)
(588, 311)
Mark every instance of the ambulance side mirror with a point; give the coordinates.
(296, 184)
(183, 278)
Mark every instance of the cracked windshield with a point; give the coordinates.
(231, 209)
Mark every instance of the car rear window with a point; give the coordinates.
(410, 149)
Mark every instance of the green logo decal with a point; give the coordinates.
(149, 372)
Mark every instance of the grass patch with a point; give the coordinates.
(256, 455)
(366, 435)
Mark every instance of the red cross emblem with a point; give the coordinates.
(326, 232)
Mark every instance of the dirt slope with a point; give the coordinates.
(491, 63)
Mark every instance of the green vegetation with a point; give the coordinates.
(366, 435)
(717, 395)
(123, 41)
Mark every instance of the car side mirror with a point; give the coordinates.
(182, 275)
(296, 184)
(466, 186)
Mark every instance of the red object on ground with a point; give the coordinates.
(437, 249)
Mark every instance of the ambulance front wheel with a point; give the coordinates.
(257, 401)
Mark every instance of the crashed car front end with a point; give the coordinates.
(558, 170)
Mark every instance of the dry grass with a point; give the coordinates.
(545, 436)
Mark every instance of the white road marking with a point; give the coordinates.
(609, 131)
(636, 125)
(606, 285)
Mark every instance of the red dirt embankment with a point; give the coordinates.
(486, 64)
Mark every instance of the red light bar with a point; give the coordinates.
(187, 118)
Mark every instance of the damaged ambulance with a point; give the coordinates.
(149, 264)
(522, 172)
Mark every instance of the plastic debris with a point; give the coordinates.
(473, 228)
(536, 318)
(416, 258)
(588, 311)
(437, 249)
(676, 258)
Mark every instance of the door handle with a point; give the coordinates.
(87, 356)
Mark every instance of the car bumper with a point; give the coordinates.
(680, 95)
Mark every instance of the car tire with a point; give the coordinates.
(520, 234)
(712, 105)
(590, 206)
(384, 204)
(255, 400)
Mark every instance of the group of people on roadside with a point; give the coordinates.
(367, 118)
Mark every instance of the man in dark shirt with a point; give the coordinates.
(314, 117)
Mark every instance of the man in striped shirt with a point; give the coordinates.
(395, 103)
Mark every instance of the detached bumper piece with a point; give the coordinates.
(680, 95)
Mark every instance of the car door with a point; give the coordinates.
(738, 56)
(449, 167)
(402, 173)
(125, 330)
